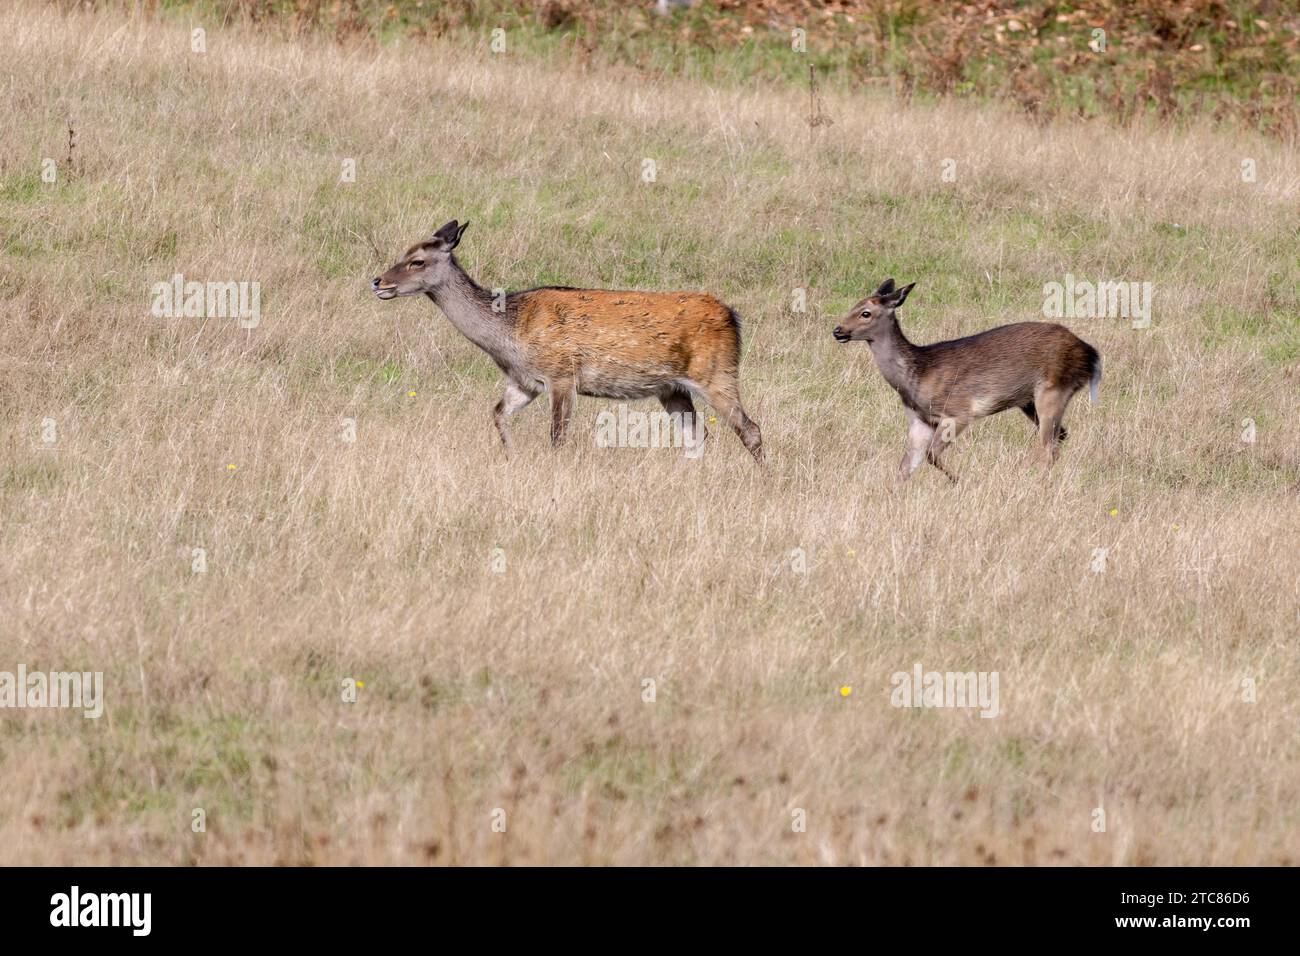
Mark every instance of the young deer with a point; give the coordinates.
(566, 341)
(1033, 366)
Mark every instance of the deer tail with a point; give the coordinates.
(1095, 382)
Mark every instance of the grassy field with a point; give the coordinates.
(1236, 60)
(504, 615)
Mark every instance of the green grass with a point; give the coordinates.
(1046, 65)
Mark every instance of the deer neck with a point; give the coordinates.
(469, 308)
(897, 359)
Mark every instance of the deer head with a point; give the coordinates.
(873, 316)
(424, 267)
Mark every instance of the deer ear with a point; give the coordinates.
(898, 297)
(449, 234)
(886, 288)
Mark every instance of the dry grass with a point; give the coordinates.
(522, 690)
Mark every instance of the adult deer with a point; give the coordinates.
(568, 342)
(1036, 367)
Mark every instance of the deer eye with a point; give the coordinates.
(867, 314)
(416, 264)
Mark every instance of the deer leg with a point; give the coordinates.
(512, 401)
(919, 437)
(1028, 409)
(677, 403)
(562, 396)
(725, 399)
(944, 436)
(1050, 403)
